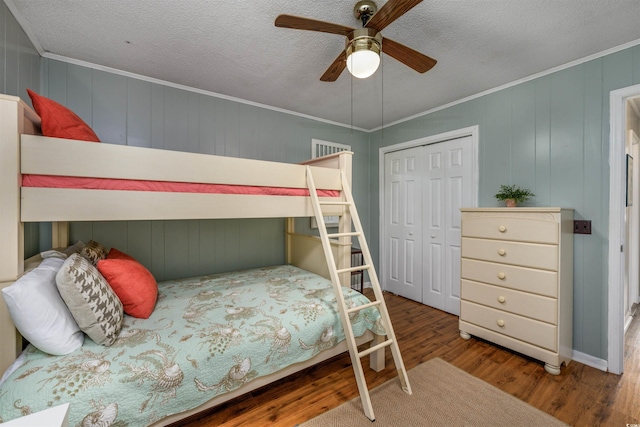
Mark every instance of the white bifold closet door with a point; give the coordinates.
(424, 189)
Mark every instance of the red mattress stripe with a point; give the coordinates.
(49, 181)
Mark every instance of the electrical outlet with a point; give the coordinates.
(581, 226)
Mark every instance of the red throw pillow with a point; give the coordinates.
(132, 282)
(116, 254)
(60, 122)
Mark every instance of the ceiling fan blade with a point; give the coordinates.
(299, 23)
(409, 57)
(389, 12)
(335, 69)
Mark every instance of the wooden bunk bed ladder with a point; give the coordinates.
(345, 238)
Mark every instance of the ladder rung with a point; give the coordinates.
(334, 203)
(352, 233)
(363, 353)
(362, 307)
(356, 268)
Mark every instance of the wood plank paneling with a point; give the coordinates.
(567, 135)
(79, 97)
(588, 307)
(176, 249)
(139, 113)
(4, 17)
(109, 95)
(207, 246)
(56, 78)
(176, 119)
(232, 122)
(543, 140)
(12, 55)
(233, 254)
(636, 64)
(497, 151)
(193, 124)
(139, 239)
(523, 136)
(19, 70)
(207, 125)
(157, 116)
(19, 60)
(158, 267)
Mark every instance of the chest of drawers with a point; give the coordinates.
(516, 286)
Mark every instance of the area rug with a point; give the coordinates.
(443, 395)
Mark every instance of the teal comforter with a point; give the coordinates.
(207, 336)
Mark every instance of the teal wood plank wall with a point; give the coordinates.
(551, 135)
(131, 111)
(19, 70)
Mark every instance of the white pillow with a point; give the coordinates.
(63, 253)
(39, 312)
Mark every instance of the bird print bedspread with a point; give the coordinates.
(207, 336)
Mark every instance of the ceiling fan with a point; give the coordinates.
(366, 41)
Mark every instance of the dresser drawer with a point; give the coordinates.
(506, 228)
(536, 307)
(532, 331)
(542, 282)
(523, 254)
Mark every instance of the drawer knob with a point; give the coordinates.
(502, 276)
(502, 229)
(502, 252)
(500, 323)
(501, 299)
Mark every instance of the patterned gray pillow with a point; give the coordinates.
(92, 302)
(94, 252)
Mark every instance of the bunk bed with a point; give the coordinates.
(25, 153)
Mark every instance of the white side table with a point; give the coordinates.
(58, 416)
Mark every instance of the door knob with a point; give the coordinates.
(433, 236)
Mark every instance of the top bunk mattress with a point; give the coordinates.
(207, 336)
(86, 183)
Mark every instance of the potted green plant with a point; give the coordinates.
(512, 195)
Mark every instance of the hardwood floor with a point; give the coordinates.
(579, 396)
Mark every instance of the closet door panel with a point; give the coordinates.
(459, 193)
(435, 279)
(402, 269)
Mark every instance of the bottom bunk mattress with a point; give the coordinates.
(207, 336)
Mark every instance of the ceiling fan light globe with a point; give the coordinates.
(363, 63)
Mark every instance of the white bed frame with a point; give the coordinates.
(24, 150)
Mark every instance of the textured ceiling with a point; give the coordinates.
(232, 48)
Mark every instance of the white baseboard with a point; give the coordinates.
(589, 360)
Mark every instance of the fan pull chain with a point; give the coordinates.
(382, 97)
(351, 84)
